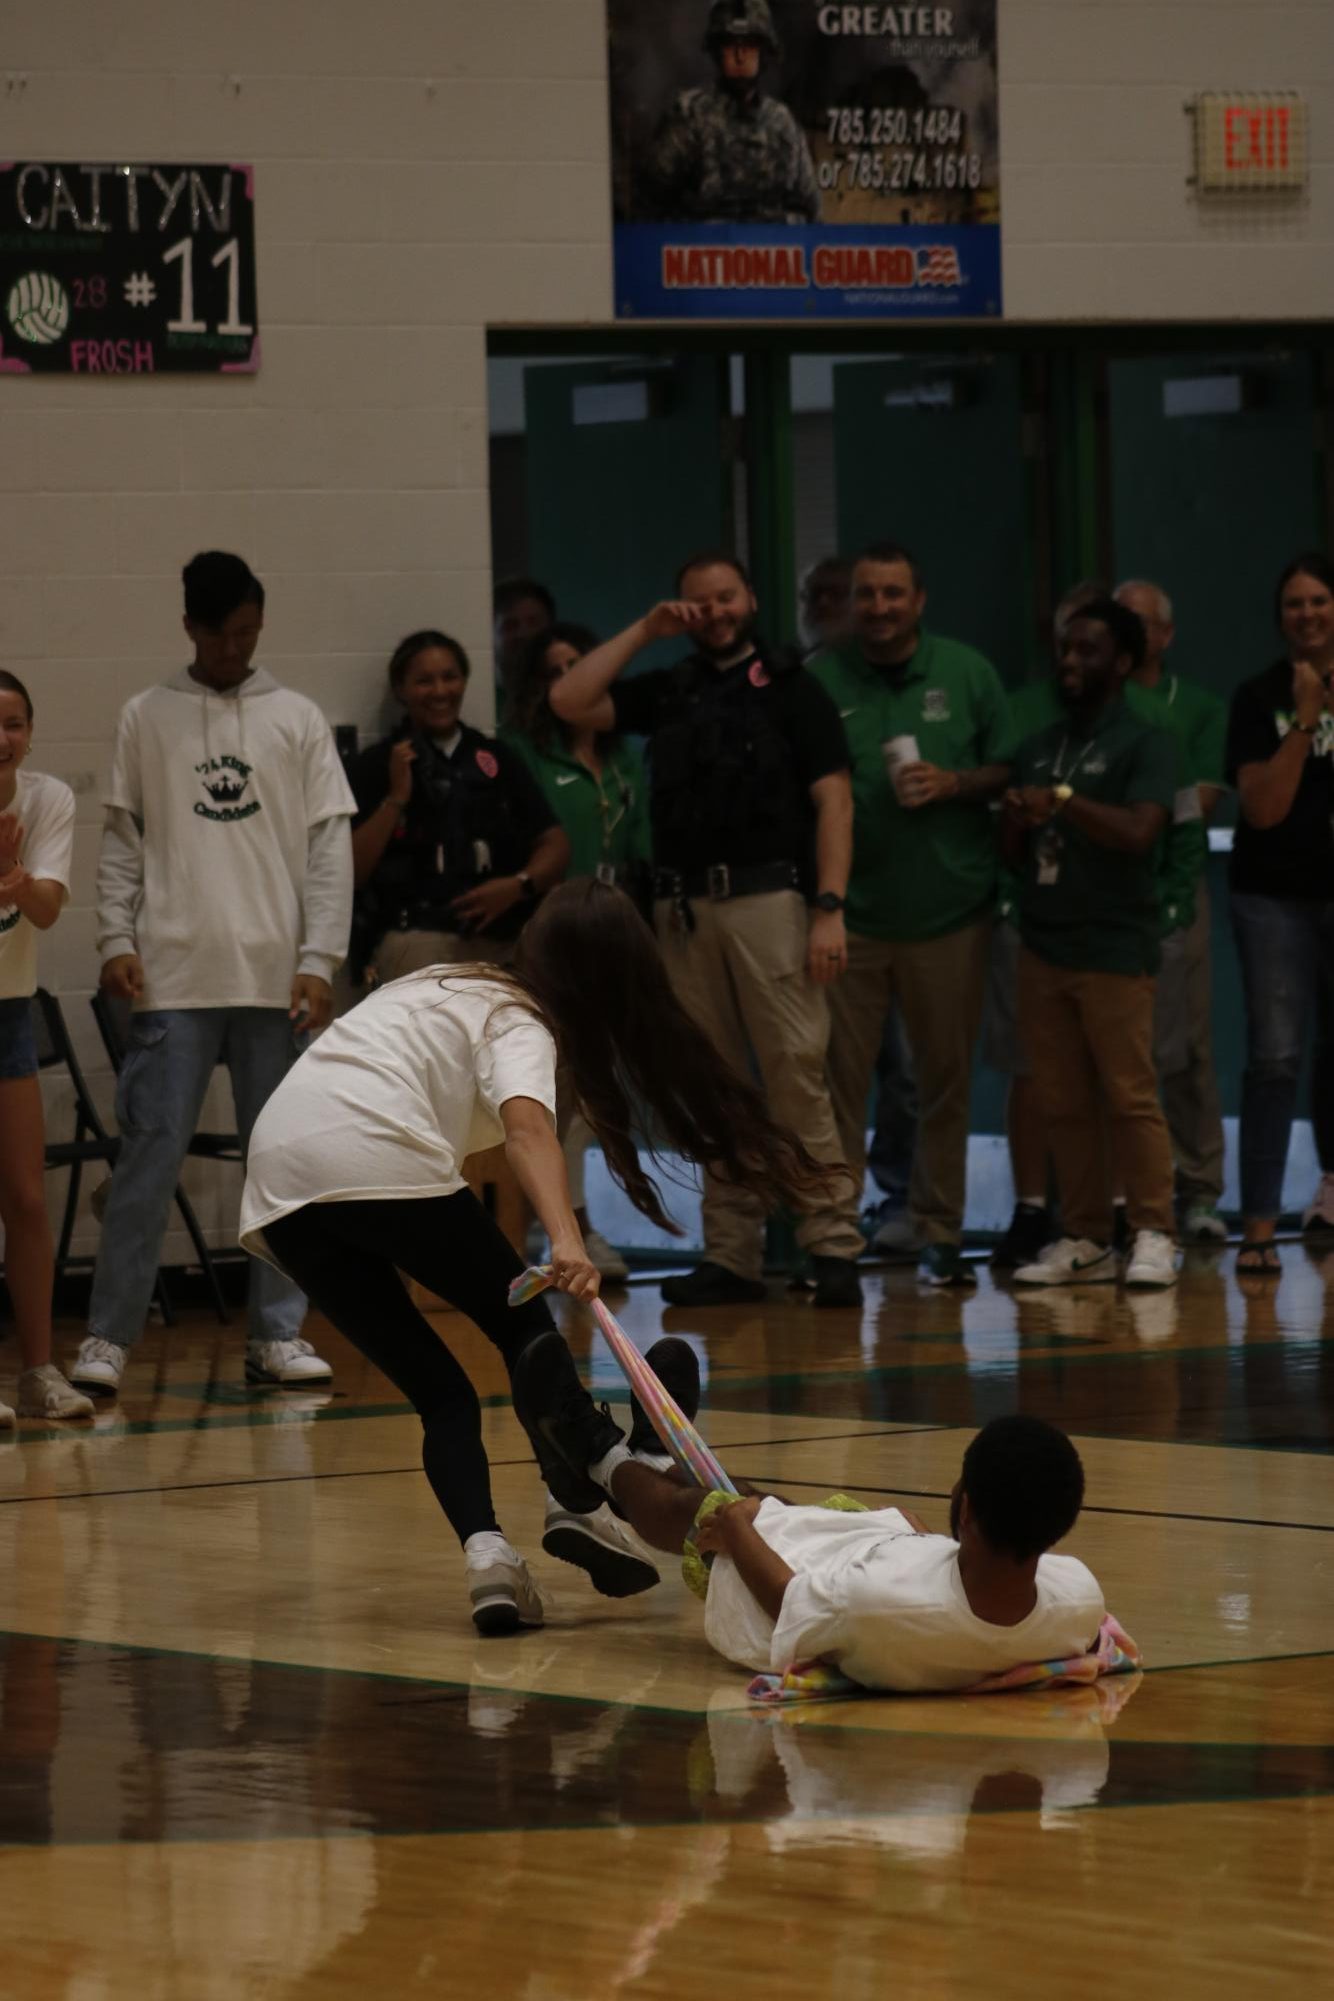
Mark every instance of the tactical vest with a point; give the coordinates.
(720, 765)
(458, 830)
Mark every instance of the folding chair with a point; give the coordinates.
(89, 1142)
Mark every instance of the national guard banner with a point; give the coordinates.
(803, 159)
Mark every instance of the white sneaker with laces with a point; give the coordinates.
(1070, 1261)
(44, 1392)
(605, 1256)
(1153, 1260)
(615, 1562)
(1319, 1216)
(285, 1362)
(8, 1417)
(504, 1597)
(99, 1365)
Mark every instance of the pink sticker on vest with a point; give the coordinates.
(487, 764)
(758, 675)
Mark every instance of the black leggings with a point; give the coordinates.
(347, 1257)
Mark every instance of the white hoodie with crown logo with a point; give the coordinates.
(226, 859)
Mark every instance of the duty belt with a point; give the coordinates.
(719, 883)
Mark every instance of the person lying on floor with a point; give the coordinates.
(874, 1592)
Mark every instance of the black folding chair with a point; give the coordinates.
(113, 1019)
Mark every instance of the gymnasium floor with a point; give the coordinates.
(252, 1746)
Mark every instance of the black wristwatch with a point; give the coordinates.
(827, 900)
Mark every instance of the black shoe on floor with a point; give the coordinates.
(1029, 1233)
(711, 1285)
(569, 1432)
(676, 1366)
(836, 1282)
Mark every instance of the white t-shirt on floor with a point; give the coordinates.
(888, 1607)
(394, 1096)
(44, 807)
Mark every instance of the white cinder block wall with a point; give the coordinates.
(435, 167)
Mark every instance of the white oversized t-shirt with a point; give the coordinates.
(394, 1096)
(888, 1606)
(227, 789)
(44, 807)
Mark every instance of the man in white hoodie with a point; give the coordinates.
(224, 898)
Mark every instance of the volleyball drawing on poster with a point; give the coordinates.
(790, 159)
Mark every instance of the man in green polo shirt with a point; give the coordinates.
(929, 737)
(1093, 796)
(1198, 719)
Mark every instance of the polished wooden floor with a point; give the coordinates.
(251, 1746)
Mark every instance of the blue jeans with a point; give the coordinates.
(172, 1054)
(1286, 949)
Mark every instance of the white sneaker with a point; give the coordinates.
(285, 1362)
(605, 1256)
(8, 1417)
(1070, 1261)
(1319, 1216)
(44, 1392)
(1202, 1224)
(99, 1365)
(597, 1543)
(504, 1597)
(1153, 1260)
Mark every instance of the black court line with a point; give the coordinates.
(1146, 1514)
(380, 1472)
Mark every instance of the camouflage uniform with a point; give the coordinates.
(719, 158)
(729, 156)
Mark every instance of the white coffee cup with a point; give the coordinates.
(899, 753)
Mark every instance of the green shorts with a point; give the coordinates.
(695, 1567)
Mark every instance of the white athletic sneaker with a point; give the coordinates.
(45, 1393)
(1202, 1224)
(285, 1362)
(1153, 1260)
(1318, 1217)
(8, 1417)
(605, 1256)
(1070, 1261)
(597, 1543)
(99, 1365)
(504, 1597)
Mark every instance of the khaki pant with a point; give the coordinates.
(1190, 1091)
(1090, 1041)
(939, 984)
(741, 976)
(400, 952)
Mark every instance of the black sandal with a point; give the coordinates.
(1259, 1259)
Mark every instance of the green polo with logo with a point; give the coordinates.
(1100, 914)
(606, 816)
(1181, 856)
(919, 873)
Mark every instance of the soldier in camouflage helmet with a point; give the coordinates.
(734, 154)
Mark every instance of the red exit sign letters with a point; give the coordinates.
(1250, 141)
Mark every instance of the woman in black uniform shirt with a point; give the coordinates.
(1280, 757)
(453, 842)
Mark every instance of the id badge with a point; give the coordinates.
(606, 873)
(1049, 859)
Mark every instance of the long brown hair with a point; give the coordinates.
(589, 968)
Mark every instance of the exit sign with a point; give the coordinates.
(1250, 142)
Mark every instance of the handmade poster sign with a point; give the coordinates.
(126, 269)
(793, 159)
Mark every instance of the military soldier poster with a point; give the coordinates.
(804, 159)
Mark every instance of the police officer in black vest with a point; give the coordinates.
(453, 842)
(751, 809)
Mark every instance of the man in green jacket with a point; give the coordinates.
(930, 740)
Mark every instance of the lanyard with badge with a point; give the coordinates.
(1051, 841)
(611, 820)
